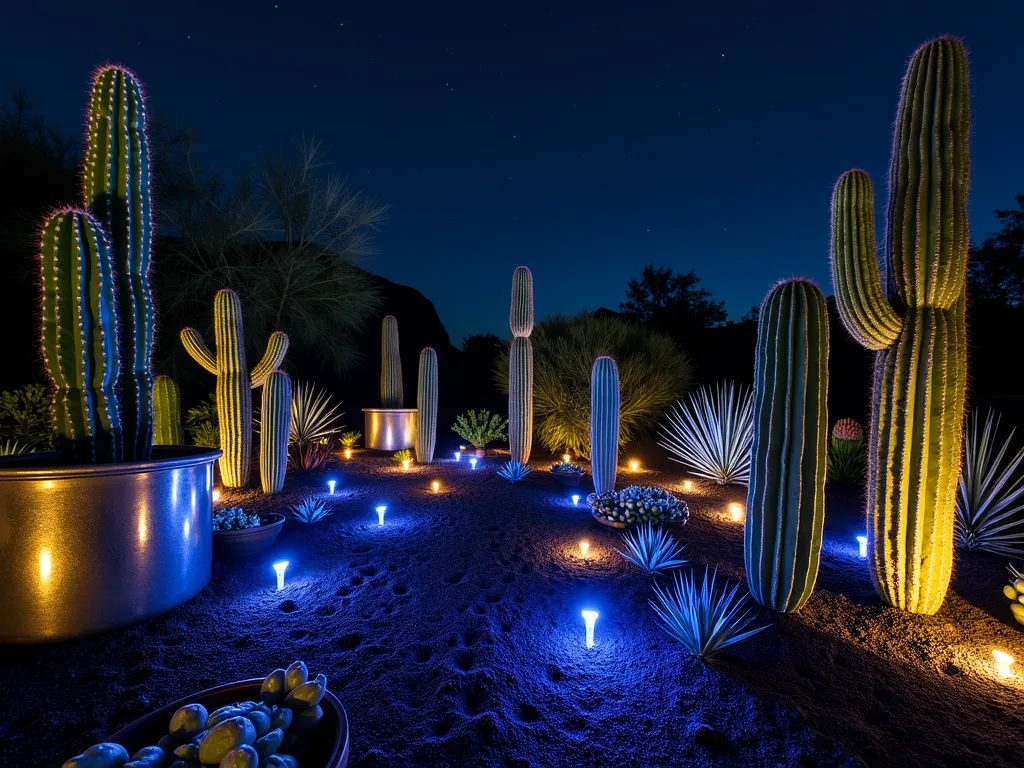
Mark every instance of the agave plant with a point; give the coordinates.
(310, 510)
(711, 433)
(708, 618)
(514, 471)
(652, 549)
(315, 424)
(402, 456)
(349, 439)
(12, 448)
(990, 497)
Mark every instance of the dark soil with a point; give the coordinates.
(453, 636)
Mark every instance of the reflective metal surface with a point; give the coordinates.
(84, 549)
(390, 429)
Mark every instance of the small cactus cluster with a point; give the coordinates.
(604, 424)
(426, 407)
(520, 367)
(234, 381)
(1015, 591)
(848, 429)
(392, 395)
(167, 426)
(638, 504)
(275, 426)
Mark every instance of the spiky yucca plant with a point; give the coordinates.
(708, 618)
(712, 432)
(310, 510)
(12, 448)
(315, 425)
(514, 471)
(349, 439)
(652, 549)
(990, 495)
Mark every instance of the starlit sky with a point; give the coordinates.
(583, 139)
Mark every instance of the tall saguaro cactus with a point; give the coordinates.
(80, 337)
(117, 191)
(520, 367)
(392, 395)
(275, 424)
(167, 427)
(604, 423)
(234, 381)
(786, 494)
(426, 407)
(916, 324)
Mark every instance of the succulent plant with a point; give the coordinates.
(310, 510)
(652, 549)
(520, 367)
(847, 453)
(402, 456)
(234, 519)
(167, 426)
(349, 439)
(315, 424)
(392, 394)
(604, 423)
(1015, 591)
(514, 471)
(639, 504)
(480, 427)
(275, 426)
(567, 468)
(426, 407)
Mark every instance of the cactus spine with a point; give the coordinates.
(392, 394)
(786, 495)
(275, 424)
(234, 381)
(520, 367)
(916, 323)
(604, 423)
(167, 428)
(80, 337)
(426, 407)
(117, 192)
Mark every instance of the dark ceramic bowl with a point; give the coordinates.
(622, 526)
(249, 541)
(328, 744)
(568, 479)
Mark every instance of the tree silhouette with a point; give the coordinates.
(997, 266)
(671, 302)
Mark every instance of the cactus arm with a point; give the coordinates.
(196, 347)
(604, 423)
(520, 319)
(862, 305)
(167, 427)
(392, 394)
(277, 347)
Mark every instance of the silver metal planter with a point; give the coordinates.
(84, 549)
(390, 429)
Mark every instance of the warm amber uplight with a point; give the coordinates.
(45, 565)
(687, 485)
(1003, 662)
(348, 453)
(216, 495)
(634, 465)
(436, 485)
(143, 530)
(584, 548)
(406, 463)
(736, 512)
(566, 458)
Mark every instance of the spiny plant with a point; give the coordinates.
(604, 424)
(514, 471)
(916, 325)
(349, 439)
(990, 495)
(847, 454)
(234, 381)
(652, 549)
(707, 618)
(426, 406)
(520, 366)
(167, 427)
(392, 394)
(712, 432)
(315, 424)
(402, 456)
(786, 496)
(275, 425)
(12, 448)
(478, 428)
(310, 510)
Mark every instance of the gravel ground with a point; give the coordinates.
(453, 636)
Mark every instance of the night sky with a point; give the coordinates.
(584, 141)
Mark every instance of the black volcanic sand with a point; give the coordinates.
(453, 636)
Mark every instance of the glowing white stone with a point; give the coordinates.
(472, 463)
(862, 545)
(330, 486)
(736, 512)
(380, 514)
(575, 499)
(1003, 662)
(279, 568)
(458, 455)
(584, 548)
(590, 617)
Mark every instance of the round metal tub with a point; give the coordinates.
(84, 549)
(390, 429)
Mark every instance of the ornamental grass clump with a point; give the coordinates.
(310, 510)
(514, 471)
(639, 504)
(652, 549)
(706, 618)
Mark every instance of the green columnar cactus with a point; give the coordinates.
(275, 424)
(917, 327)
(117, 191)
(520, 367)
(167, 427)
(234, 381)
(426, 407)
(80, 337)
(604, 423)
(786, 494)
(391, 393)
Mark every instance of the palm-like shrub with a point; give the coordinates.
(653, 372)
(203, 424)
(652, 549)
(707, 618)
(25, 418)
(990, 496)
(514, 471)
(847, 454)
(478, 428)
(315, 424)
(310, 510)
(711, 433)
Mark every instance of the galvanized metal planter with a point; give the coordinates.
(390, 429)
(87, 548)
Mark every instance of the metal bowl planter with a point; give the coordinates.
(88, 548)
(327, 745)
(246, 542)
(630, 518)
(390, 429)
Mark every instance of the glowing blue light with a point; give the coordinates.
(330, 486)
(279, 568)
(458, 455)
(380, 514)
(575, 499)
(862, 544)
(590, 617)
(472, 463)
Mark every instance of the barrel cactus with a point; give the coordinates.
(604, 424)
(786, 494)
(391, 393)
(520, 367)
(234, 381)
(167, 427)
(275, 424)
(916, 324)
(426, 407)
